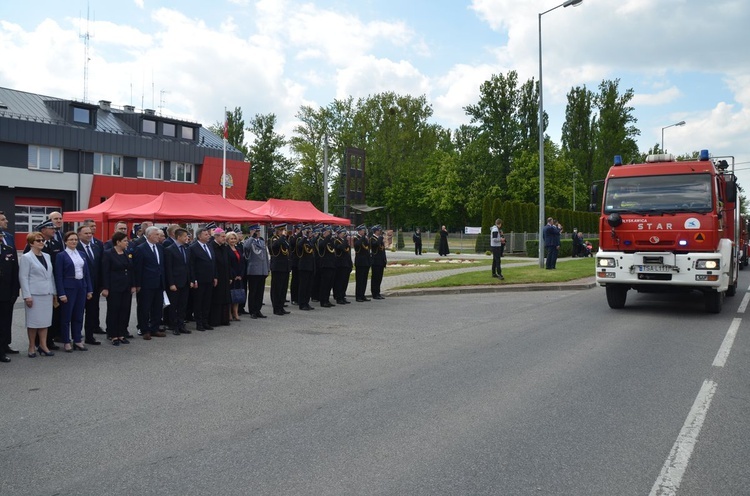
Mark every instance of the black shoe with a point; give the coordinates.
(501, 277)
(184, 330)
(176, 332)
(128, 335)
(325, 304)
(208, 328)
(253, 315)
(201, 329)
(340, 302)
(260, 315)
(345, 301)
(495, 275)
(115, 342)
(92, 342)
(4, 358)
(78, 347)
(364, 299)
(99, 331)
(306, 308)
(295, 303)
(10, 351)
(52, 346)
(124, 341)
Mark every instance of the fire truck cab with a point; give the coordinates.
(669, 225)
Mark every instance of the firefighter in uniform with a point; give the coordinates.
(362, 262)
(343, 265)
(293, 261)
(305, 267)
(326, 254)
(377, 249)
(279, 250)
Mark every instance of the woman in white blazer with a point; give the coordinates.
(38, 292)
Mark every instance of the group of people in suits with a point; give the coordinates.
(210, 278)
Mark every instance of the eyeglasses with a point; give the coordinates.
(39, 239)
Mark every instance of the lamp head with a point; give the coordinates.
(573, 3)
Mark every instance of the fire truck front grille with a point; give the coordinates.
(655, 277)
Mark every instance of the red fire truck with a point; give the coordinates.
(669, 225)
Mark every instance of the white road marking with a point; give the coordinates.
(726, 345)
(743, 305)
(674, 467)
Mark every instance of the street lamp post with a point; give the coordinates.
(575, 176)
(542, 221)
(681, 123)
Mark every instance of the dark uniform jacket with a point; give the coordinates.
(362, 256)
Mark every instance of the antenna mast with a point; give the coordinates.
(86, 38)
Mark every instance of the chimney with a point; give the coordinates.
(105, 105)
(128, 108)
(149, 111)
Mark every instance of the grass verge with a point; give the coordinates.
(568, 270)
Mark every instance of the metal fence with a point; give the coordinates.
(466, 243)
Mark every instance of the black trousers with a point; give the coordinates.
(91, 320)
(377, 278)
(177, 307)
(119, 304)
(497, 268)
(256, 286)
(6, 323)
(202, 303)
(315, 284)
(150, 309)
(294, 285)
(326, 284)
(360, 278)
(305, 285)
(341, 282)
(279, 283)
(418, 248)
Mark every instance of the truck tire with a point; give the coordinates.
(616, 295)
(714, 300)
(732, 289)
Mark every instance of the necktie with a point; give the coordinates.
(90, 254)
(155, 254)
(205, 247)
(184, 254)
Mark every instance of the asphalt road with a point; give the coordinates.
(548, 392)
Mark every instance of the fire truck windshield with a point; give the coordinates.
(659, 194)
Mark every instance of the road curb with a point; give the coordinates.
(563, 286)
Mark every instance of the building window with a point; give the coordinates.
(150, 169)
(81, 115)
(181, 172)
(188, 133)
(167, 129)
(149, 126)
(29, 216)
(45, 158)
(107, 165)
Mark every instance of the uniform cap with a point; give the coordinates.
(377, 227)
(44, 225)
(254, 227)
(361, 227)
(211, 225)
(280, 226)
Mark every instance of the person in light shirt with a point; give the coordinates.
(74, 287)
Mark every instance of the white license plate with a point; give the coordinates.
(654, 268)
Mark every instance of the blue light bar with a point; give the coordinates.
(618, 159)
(704, 155)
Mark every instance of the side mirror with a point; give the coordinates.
(614, 220)
(731, 190)
(593, 207)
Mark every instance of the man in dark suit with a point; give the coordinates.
(9, 287)
(148, 264)
(119, 227)
(202, 262)
(362, 262)
(179, 282)
(6, 237)
(378, 260)
(92, 254)
(57, 222)
(91, 223)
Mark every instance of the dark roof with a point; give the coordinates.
(33, 107)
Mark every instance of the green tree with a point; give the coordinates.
(235, 129)
(615, 127)
(271, 169)
(578, 133)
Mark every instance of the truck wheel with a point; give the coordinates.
(732, 289)
(616, 295)
(714, 299)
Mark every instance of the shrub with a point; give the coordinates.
(400, 240)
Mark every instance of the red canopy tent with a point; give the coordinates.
(246, 204)
(189, 207)
(114, 203)
(296, 211)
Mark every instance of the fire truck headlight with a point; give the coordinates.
(606, 262)
(682, 242)
(707, 264)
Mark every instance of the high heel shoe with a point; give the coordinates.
(77, 347)
(32, 355)
(68, 350)
(45, 353)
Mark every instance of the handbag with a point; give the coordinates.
(238, 295)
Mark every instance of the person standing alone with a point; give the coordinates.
(496, 244)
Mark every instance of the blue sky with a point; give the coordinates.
(685, 59)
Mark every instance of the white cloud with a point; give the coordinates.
(667, 96)
(138, 3)
(369, 75)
